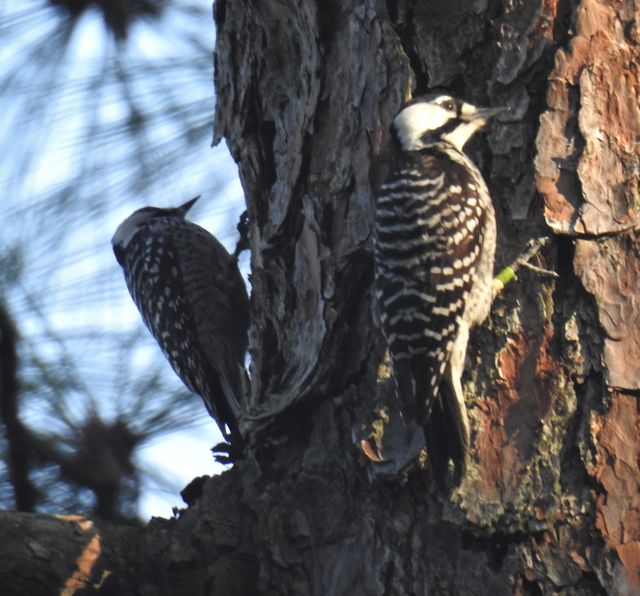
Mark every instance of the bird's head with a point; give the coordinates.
(437, 117)
(138, 220)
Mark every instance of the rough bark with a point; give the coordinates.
(550, 504)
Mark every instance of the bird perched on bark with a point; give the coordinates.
(193, 299)
(435, 238)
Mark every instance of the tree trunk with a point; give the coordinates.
(550, 503)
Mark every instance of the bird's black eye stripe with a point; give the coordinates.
(446, 128)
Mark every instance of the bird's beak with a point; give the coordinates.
(184, 208)
(482, 113)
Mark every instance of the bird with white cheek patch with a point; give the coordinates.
(435, 239)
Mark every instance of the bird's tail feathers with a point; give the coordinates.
(447, 434)
(230, 418)
(229, 395)
(416, 397)
(406, 387)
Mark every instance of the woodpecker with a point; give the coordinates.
(193, 299)
(435, 238)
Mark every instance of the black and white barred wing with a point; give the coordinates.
(217, 298)
(193, 300)
(153, 279)
(427, 246)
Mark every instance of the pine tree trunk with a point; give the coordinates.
(550, 504)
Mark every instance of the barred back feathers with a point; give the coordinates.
(435, 236)
(193, 299)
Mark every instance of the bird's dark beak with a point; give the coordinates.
(184, 208)
(485, 113)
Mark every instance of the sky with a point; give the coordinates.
(69, 174)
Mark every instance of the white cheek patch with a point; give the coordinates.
(412, 122)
